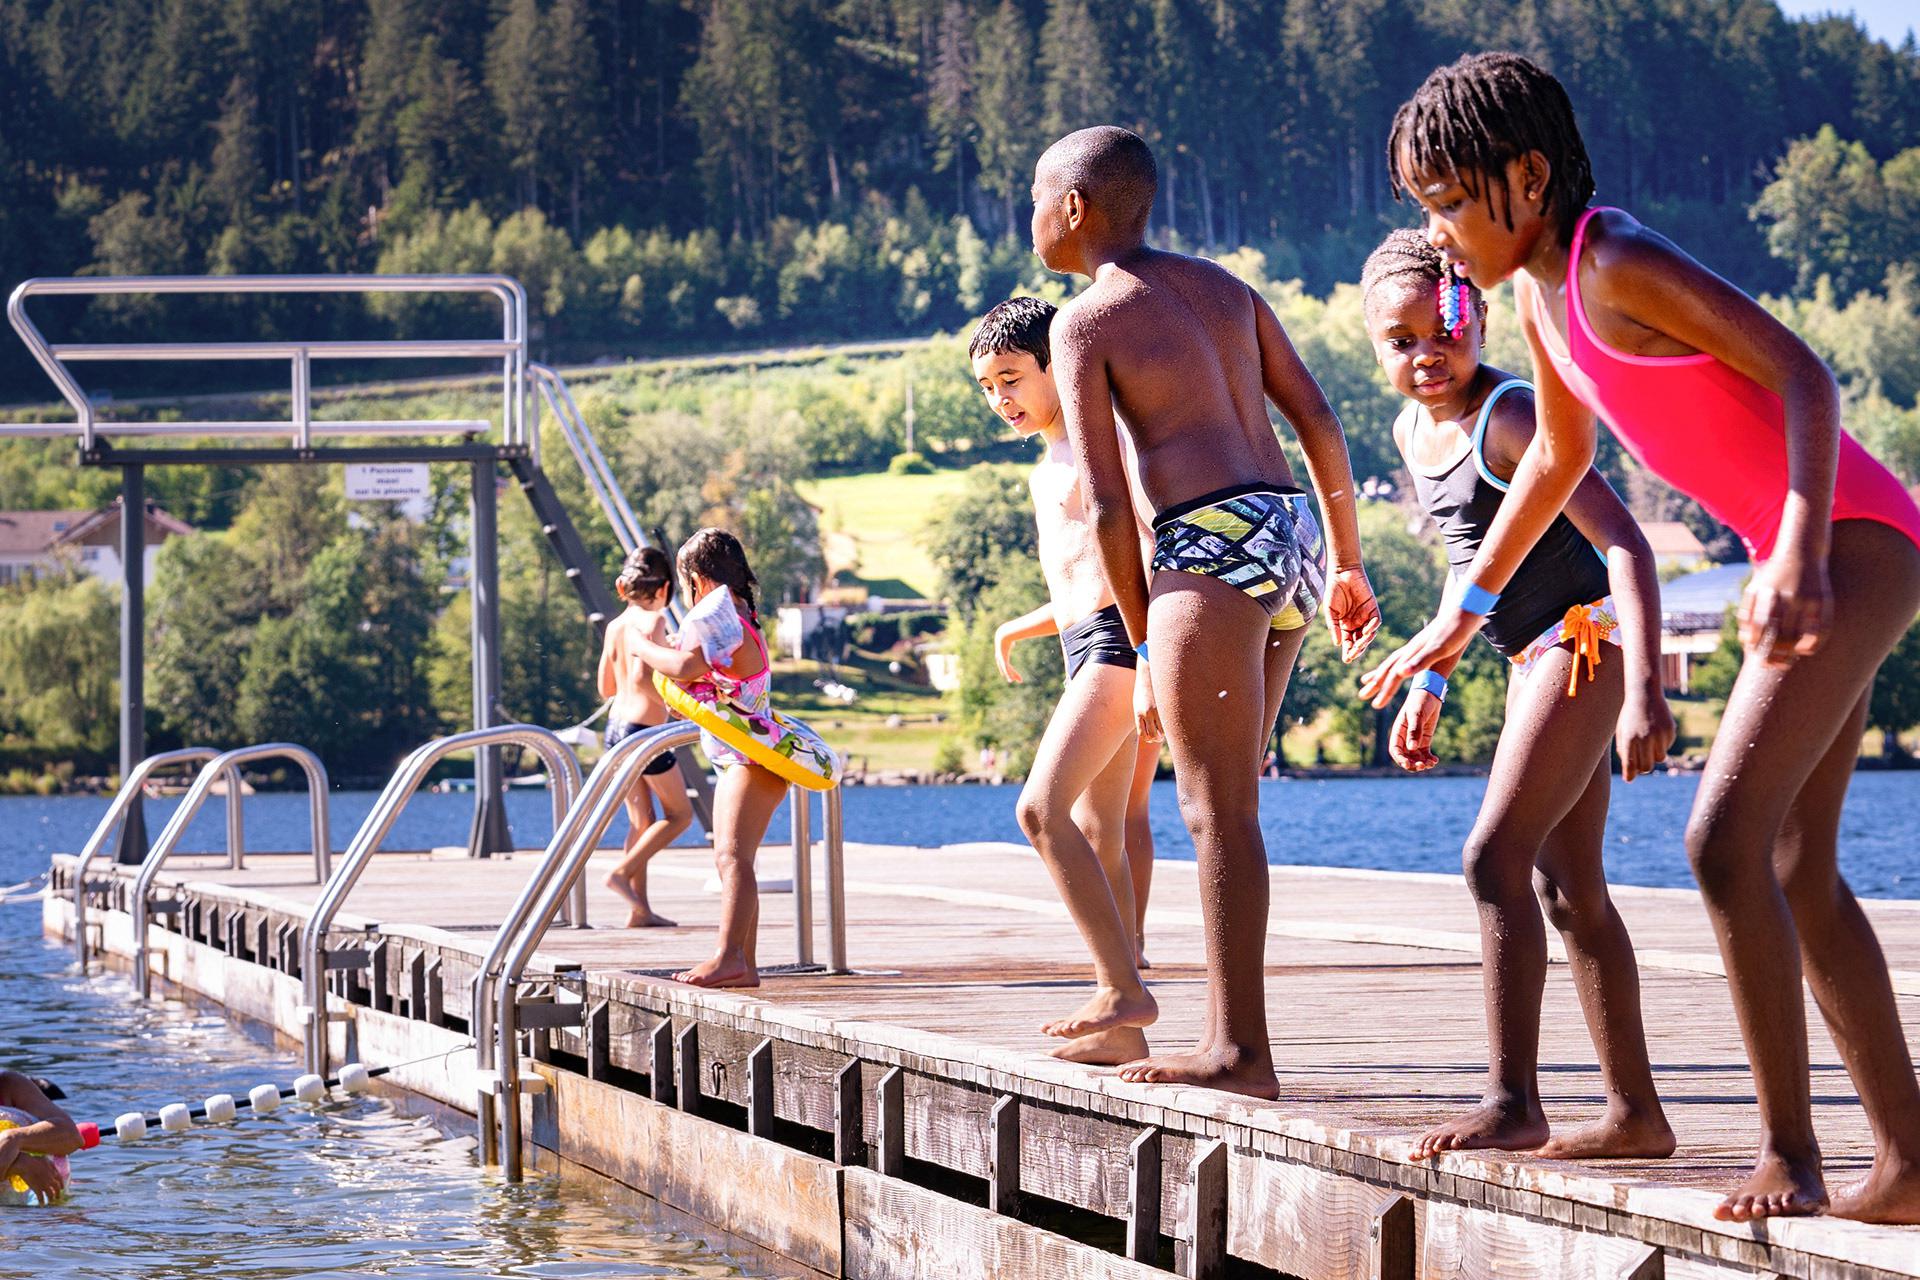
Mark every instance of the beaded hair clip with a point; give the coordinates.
(1455, 301)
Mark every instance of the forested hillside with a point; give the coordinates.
(680, 172)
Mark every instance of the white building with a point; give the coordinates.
(35, 542)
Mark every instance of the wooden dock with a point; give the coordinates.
(903, 1120)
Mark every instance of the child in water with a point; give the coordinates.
(1583, 633)
(1074, 805)
(646, 584)
(31, 1151)
(723, 652)
(1718, 398)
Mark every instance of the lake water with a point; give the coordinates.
(363, 1187)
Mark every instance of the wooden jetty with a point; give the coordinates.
(903, 1120)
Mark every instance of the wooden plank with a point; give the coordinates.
(1300, 1219)
(1464, 1243)
(775, 1197)
(1390, 1240)
(1076, 1157)
(1003, 1156)
(891, 1149)
(1143, 1197)
(847, 1117)
(760, 1090)
(1646, 1262)
(689, 1055)
(898, 1231)
(1201, 1253)
(436, 993)
(378, 980)
(662, 1063)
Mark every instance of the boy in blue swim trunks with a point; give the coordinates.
(1185, 356)
(1074, 805)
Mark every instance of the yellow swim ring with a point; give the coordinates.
(787, 748)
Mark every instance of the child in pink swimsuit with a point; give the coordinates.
(728, 654)
(1713, 394)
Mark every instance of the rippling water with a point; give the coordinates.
(369, 1186)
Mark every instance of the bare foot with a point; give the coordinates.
(1231, 1070)
(1105, 1048)
(1140, 961)
(724, 970)
(1501, 1125)
(647, 918)
(1777, 1188)
(619, 884)
(1891, 1193)
(1614, 1135)
(1109, 1008)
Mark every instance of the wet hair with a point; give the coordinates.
(643, 572)
(1018, 324)
(717, 556)
(1113, 168)
(1473, 116)
(53, 1091)
(1405, 257)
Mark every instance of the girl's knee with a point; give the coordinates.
(1568, 903)
(1721, 850)
(1038, 810)
(1495, 866)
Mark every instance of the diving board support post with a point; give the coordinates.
(834, 856)
(800, 818)
(489, 834)
(1201, 1254)
(1390, 1253)
(132, 849)
(1143, 1197)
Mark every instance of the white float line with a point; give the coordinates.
(1905, 981)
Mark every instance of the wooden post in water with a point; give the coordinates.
(1003, 1156)
(760, 1090)
(1390, 1239)
(1143, 1198)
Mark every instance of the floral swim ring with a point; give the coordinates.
(787, 748)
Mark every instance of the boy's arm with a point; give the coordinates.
(1556, 460)
(1352, 613)
(1646, 725)
(1028, 626)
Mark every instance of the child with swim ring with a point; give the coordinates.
(1710, 392)
(1582, 630)
(36, 1137)
(722, 663)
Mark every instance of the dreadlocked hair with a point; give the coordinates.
(717, 556)
(643, 572)
(1405, 256)
(1472, 117)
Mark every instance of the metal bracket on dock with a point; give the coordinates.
(548, 1015)
(350, 958)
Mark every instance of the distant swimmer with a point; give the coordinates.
(1074, 806)
(1580, 624)
(646, 584)
(1185, 356)
(1710, 392)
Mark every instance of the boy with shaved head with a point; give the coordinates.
(1185, 355)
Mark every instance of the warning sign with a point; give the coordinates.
(386, 481)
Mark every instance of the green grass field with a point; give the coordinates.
(870, 527)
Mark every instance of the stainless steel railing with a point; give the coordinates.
(563, 780)
(510, 349)
(593, 463)
(225, 763)
(497, 1046)
(122, 801)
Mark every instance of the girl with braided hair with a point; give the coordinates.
(1582, 630)
(1711, 393)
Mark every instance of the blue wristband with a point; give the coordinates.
(1432, 682)
(1475, 598)
(1141, 650)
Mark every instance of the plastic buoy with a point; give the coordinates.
(220, 1109)
(130, 1127)
(264, 1098)
(89, 1135)
(310, 1088)
(174, 1117)
(354, 1077)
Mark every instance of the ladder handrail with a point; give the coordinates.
(563, 777)
(586, 452)
(510, 348)
(196, 796)
(123, 800)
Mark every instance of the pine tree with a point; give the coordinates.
(1004, 106)
(950, 96)
(1077, 74)
(517, 84)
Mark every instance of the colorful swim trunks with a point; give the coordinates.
(1263, 539)
(1586, 625)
